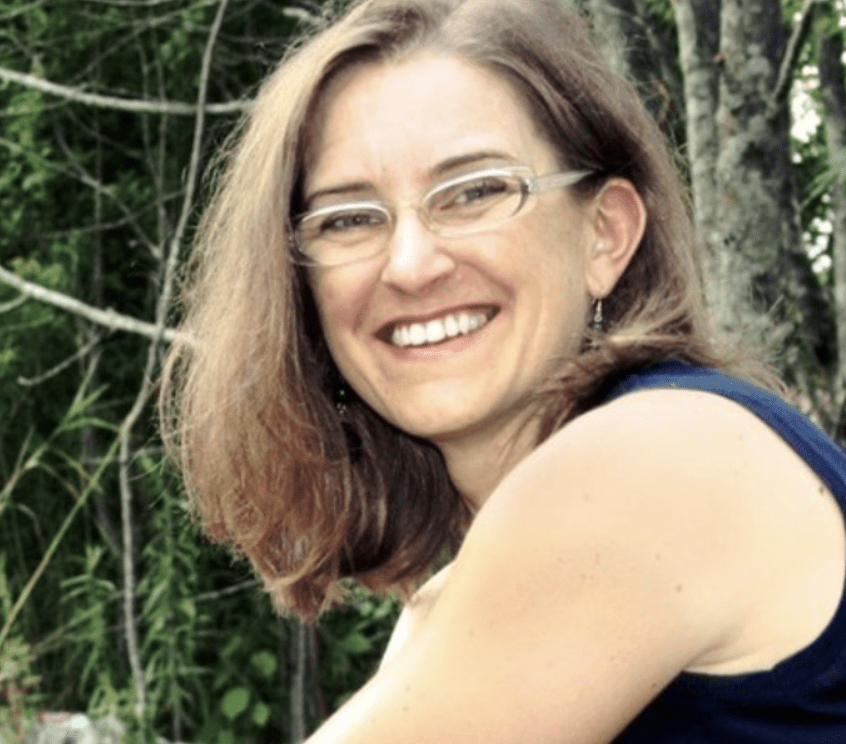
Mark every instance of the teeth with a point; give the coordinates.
(435, 331)
(419, 334)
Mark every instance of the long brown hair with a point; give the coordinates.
(249, 404)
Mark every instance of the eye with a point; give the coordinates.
(345, 220)
(480, 190)
(474, 195)
(342, 223)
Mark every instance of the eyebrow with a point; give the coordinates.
(445, 166)
(343, 188)
(471, 157)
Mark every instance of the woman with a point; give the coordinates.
(448, 294)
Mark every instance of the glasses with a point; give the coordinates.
(467, 205)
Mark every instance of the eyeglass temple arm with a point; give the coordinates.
(557, 180)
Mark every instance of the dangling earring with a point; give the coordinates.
(598, 323)
(341, 398)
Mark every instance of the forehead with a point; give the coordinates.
(409, 118)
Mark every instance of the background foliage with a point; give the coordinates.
(110, 600)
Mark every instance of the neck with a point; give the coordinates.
(478, 462)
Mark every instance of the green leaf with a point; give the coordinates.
(264, 663)
(261, 714)
(226, 736)
(235, 702)
(355, 643)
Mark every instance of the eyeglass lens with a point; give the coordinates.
(349, 232)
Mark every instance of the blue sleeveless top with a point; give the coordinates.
(802, 700)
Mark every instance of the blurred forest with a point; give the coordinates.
(111, 602)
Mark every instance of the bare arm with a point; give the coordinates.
(591, 578)
(415, 613)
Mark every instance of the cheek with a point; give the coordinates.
(559, 291)
(326, 304)
(339, 304)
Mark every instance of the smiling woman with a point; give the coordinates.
(448, 246)
(518, 280)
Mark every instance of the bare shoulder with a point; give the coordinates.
(647, 485)
(679, 443)
(689, 489)
(655, 449)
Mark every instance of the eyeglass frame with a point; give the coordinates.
(531, 185)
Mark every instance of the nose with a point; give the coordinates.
(415, 259)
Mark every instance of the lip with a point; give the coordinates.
(385, 332)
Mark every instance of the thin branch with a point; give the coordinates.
(801, 30)
(300, 14)
(20, 11)
(146, 388)
(12, 304)
(107, 318)
(79, 354)
(88, 229)
(77, 95)
(88, 181)
(21, 468)
(93, 484)
(234, 589)
(136, 3)
(299, 683)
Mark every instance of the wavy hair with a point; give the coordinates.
(249, 404)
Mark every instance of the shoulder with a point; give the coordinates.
(662, 449)
(670, 441)
(668, 464)
(625, 509)
(680, 500)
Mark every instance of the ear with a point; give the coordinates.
(619, 220)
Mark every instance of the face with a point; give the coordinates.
(494, 311)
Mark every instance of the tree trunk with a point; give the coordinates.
(299, 684)
(624, 43)
(762, 266)
(699, 41)
(639, 46)
(833, 93)
(757, 223)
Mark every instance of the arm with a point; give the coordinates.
(414, 614)
(594, 574)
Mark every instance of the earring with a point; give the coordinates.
(598, 323)
(341, 398)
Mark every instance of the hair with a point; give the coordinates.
(250, 390)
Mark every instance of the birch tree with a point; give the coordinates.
(833, 93)
(738, 62)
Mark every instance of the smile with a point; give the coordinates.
(440, 329)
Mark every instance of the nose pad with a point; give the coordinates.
(415, 258)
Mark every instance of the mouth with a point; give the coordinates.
(440, 330)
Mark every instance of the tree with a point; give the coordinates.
(738, 62)
(833, 94)
(110, 113)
